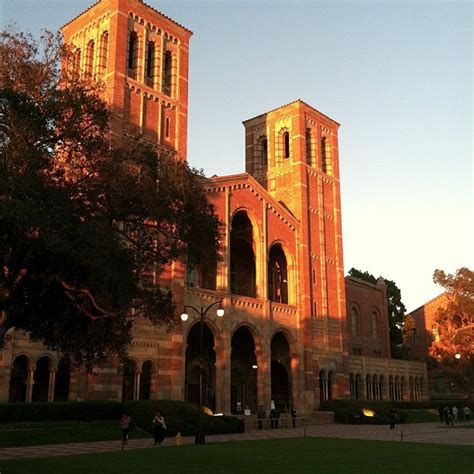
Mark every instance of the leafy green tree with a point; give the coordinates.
(396, 311)
(88, 223)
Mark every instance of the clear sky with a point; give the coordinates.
(396, 75)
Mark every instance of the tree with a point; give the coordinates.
(396, 311)
(88, 223)
(455, 321)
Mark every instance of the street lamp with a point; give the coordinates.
(202, 314)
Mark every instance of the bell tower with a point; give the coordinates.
(293, 152)
(142, 57)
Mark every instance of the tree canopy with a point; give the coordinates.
(88, 223)
(396, 310)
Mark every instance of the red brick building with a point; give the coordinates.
(287, 334)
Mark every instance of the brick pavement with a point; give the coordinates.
(416, 432)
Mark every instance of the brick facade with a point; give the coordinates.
(285, 335)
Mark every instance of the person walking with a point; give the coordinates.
(272, 418)
(125, 424)
(260, 417)
(391, 418)
(455, 413)
(159, 427)
(467, 415)
(293, 416)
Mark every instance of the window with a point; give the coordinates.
(150, 61)
(264, 156)
(326, 156)
(355, 321)
(375, 325)
(167, 127)
(167, 70)
(103, 52)
(286, 145)
(76, 62)
(133, 52)
(89, 67)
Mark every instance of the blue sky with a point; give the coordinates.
(396, 75)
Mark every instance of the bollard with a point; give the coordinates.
(179, 439)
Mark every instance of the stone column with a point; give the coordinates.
(136, 386)
(51, 386)
(223, 373)
(30, 381)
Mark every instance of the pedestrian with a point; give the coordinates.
(277, 418)
(260, 416)
(441, 414)
(455, 412)
(272, 418)
(391, 418)
(159, 427)
(467, 414)
(293, 416)
(125, 424)
(447, 415)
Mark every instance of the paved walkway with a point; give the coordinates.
(416, 432)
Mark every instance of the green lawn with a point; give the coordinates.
(294, 456)
(27, 434)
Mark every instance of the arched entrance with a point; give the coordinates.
(41, 378)
(280, 372)
(61, 387)
(242, 256)
(208, 365)
(128, 381)
(243, 371)
(145, 380)
(18, 380)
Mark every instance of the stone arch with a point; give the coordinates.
(103, 51)
(290, 286)
(19, 378)
(283, 145)
(89, 61)
(382, 387)
(133, 53)
(326, 161)
(281, 370)
(243, 370)
(129, 371)
(310, 147)
(192, 364)
(147, 376)
(63, 379)
(243, 254)
(261, 152)
(368, 387)
(375, 387)
(41, 377)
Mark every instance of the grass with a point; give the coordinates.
(295, 455)
(29, 434)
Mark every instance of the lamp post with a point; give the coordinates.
(202, 314)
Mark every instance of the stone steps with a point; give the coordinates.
(285, 420)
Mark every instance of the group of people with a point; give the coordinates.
(274, 417)
(453, 415)
(159, 427)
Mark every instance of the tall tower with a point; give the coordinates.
(142, 56)
(293, 152)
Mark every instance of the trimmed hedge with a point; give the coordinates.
(60, 411)
(350, 411)
(180, 417)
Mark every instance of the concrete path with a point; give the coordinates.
(416, 432)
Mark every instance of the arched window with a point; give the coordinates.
(167, 71)
(150, 62)
(167, 127)
(264, 151)
(103, 52)
(18, 379)
(309, 147)
(375, 325)
(133, 54)
(242, 256)
(286, 145)
(76, 62)
(89, 66)
(326, 156)
(277, 275)
(354, 321)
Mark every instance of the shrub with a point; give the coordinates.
(59, 411)
(350, 411)
(182, 417)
